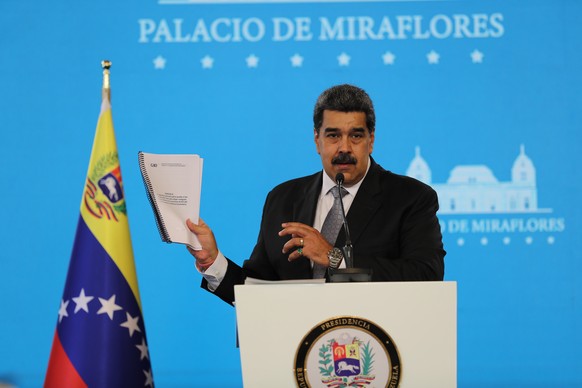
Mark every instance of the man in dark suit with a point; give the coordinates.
(392, 218)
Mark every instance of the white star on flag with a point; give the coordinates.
(207, 62)
(131, 324)
(143, 349)
(82, 301)
(63, 310)
(477, 56)
(343, 59)
(433, 57)
(108, 306)
(149, 380)
(296, 60)
(388, 58)
(252, 61)
(159, 62)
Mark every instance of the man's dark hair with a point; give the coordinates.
(344, 98)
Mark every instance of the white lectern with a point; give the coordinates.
(331, 335)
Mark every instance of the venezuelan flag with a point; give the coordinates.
(100, 339)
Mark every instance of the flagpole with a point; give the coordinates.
(106, 92)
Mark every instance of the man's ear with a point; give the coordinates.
(316, 140)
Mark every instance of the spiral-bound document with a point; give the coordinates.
(173, 184)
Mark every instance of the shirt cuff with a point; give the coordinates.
(215, 273)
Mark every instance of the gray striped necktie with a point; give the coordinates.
(331, 227)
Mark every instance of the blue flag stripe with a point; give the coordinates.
(96, 344)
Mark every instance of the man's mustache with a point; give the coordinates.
(344, 159)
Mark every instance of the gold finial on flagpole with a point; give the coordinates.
(106, 65)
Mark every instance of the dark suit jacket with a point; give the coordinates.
(393, 225)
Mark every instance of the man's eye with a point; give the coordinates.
(332, 135)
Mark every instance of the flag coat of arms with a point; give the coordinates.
(100, 339)
(346, 359)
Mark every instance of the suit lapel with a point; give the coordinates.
(304, 212)
(304, 207)
(364, 206)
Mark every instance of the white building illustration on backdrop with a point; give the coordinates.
(474, 188)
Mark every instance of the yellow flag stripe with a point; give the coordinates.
(109, 226)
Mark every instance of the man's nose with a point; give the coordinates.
(344, 144)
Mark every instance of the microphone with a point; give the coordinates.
(348, 248)
(348, 274)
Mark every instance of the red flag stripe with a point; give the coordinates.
(61, 373)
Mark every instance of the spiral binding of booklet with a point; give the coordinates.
(149, 192)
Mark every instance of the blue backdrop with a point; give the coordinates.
(479, 98)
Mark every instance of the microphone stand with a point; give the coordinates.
(348, 274)
(348, 248)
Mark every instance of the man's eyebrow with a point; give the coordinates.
(332, 129)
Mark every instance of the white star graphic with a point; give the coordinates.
(63, 310)
(529, 240)
(343, 59)
(207, 62)
(433, 57)
(477, 56)
(296, 60)
(143, 349)
(484, 241)
(82, 301)
(149, 379)
(252, 61)
(388, 58)
(551, 240)
(108, 306)
(461, 242)
(506, 240)
(131, 324)
(159, 62)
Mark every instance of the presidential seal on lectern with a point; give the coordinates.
(347, 351)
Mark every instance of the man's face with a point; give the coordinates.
(344, 144)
